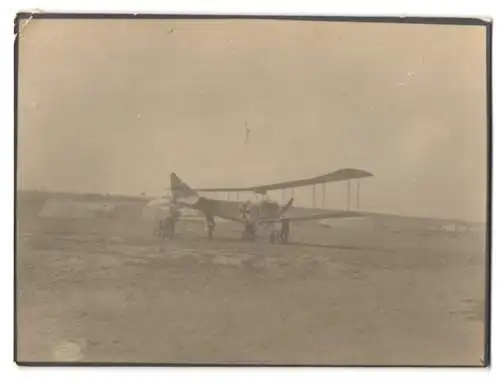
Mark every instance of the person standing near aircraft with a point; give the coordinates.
(275, 232)
(245, 210)
(249, 232)
(210, 226)
(285, 230)
(161, 229)
(173, 217)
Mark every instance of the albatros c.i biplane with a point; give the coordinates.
(258, 218)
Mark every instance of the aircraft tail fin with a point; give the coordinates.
(181, 191)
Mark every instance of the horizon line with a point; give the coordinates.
(144, 195)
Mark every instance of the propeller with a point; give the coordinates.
(285, 207)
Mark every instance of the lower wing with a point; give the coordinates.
(317, 216)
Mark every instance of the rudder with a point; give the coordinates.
(180, 189)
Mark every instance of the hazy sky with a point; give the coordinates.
(117, 105)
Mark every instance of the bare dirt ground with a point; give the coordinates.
(105, 291)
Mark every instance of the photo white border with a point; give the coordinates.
(9, 371)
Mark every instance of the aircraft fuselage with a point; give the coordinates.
(239, 211)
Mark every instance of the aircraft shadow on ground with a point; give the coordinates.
(336, 246)
(295, 244)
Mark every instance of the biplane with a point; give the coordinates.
(261, 217)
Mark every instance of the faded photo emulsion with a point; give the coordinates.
(251, 191)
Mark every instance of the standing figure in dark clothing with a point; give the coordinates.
(171, 222)
(249, 232)
(285, 230)
(161, 229)
(165, 227)
(210, 226)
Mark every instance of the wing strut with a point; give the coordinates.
(357, 193)
(348, 194)
(323, 194)
(314, 195)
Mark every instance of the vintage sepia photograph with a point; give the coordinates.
(252, 190)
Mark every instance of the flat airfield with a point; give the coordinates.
(103, 290)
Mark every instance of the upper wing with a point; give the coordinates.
(340, 175)
(317, 216)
